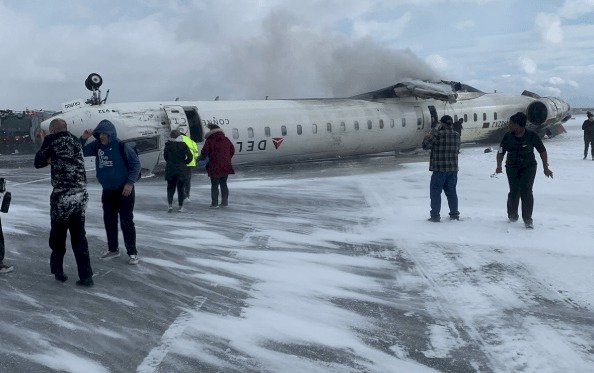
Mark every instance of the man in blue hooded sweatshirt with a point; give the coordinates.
(117, 166)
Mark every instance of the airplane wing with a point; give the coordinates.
(443, 91)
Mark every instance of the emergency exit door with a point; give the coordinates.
(177, 118)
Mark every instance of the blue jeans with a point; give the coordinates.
(445, 181)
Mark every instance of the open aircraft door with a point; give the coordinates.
(177, 119)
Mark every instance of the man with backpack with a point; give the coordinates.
(118, 167)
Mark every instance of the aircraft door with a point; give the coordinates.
(177, 119)
(420, 118)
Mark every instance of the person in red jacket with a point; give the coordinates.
(219, 150)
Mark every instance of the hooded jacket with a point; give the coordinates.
(177, 155)
(113, 172)
(220, 150)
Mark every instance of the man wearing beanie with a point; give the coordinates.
(588, 128)
(444, 144)
(520, 166)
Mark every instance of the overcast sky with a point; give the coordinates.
(163, 49)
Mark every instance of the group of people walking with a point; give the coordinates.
(118, 168)
(180, 155)
(520, 167)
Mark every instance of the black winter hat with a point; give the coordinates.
(446, 119)
(589, 114)
(519, 118)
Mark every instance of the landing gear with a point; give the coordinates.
(93, 82)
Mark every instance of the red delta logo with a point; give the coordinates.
(277, 141)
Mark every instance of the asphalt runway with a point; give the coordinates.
(277, 282)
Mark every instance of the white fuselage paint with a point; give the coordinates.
(328, 126)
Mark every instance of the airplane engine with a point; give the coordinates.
(547, 110)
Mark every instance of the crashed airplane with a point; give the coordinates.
(392, 119)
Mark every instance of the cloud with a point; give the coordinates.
(528, 65)
(549, 26)
(382, 31)
(557, 81)
(575, 8)
(465, 25)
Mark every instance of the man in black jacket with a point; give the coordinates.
(68, 200)
(588, 128)
(520, 166)
(177, 156)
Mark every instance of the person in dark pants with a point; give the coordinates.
(194, 149)
(458, 126)
(177, 156)
(588, 128)
(219, 149)
(444, 144)
(68, 200)
(4, 268)
(520, 166)
(117, 166)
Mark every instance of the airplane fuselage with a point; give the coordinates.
(279, 131)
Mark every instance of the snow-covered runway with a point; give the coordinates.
(328, 267)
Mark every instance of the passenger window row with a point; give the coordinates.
(342, 127)
(475, 117)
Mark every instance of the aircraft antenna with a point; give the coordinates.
(106, 95)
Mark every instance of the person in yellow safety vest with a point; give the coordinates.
(194, 149)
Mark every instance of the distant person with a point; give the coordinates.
(444, 144)
(458, 126)
(68, 200)
(588, 128)
(4, 268)
(177, 156)
(520, 166)
(191, 166)
(117, 166)
(219, 149)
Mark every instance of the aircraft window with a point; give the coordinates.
(403, 122)
(284, 130)
(314, 128)
(250, 132)
(235, 133)
(369, 124)
(342, 126)
(475, 117)
(495, 116)
(299, 129)
(465, 118)
(419, 123)
(381, 123)
(392, 123)
(267, 131)
(484, 116)
(144, 144)
(328, 127)
(356, 126)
